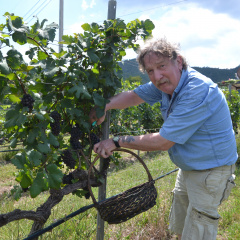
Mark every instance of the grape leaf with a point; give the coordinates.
(19, 37)
(149, 25)
(26, 180)
(4, 69)
(16, 192)
(93, 57)
(19, 161)
(13, 143)
(53, 140)
(35, 157)
(78, 89)
(86, 27)
(32, 135)
(43, 148)
(54, 176)
(39, 185)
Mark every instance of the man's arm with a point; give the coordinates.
(148, 142)
(124, 100)
(120, 101)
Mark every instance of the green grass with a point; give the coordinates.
(152, 224)
(230, 211)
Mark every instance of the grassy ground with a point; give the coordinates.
(152, 224)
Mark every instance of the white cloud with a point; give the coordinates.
(206, 38)
(85, 6)
(74, 28)
(93, 2)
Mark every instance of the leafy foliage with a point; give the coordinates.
(70, 83)
(138, 119)
(233, 100)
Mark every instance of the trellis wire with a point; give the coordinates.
(81, 210)
(120, 133)
(59, 222)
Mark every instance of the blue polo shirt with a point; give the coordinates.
(197, 119)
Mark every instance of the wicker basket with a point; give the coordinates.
(128, 204)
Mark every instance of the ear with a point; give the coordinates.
(179, 62)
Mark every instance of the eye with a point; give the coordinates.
(150, 71)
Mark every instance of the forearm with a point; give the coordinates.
(147, 142)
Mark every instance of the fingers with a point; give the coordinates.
(103, 153)
(93, 117)
(104, 148)
(99, 121)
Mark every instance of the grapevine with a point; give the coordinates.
(71, 82)
(105, 167)
(67, 178)
(87, 194)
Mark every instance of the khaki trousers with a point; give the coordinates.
(196, 197)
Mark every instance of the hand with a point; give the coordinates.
(104, 148)
(93, 117)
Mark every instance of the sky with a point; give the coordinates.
(207, 31)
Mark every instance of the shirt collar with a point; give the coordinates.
(181, 82)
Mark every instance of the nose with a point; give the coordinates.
(157, 75)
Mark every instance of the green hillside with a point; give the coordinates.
(130, 69)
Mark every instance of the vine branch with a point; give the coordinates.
(39, 45)
(41, 215)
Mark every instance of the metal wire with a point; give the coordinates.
(81, 210)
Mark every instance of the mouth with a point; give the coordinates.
(162, 82)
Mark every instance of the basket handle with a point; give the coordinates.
(116, 150)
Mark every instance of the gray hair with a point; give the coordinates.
(161, 47)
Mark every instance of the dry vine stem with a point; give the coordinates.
(41, 215)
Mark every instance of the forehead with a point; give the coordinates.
(153, 58)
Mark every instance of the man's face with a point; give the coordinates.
(164, 73)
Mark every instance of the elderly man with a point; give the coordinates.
(197, 133)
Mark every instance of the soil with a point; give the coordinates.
(5, 189)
